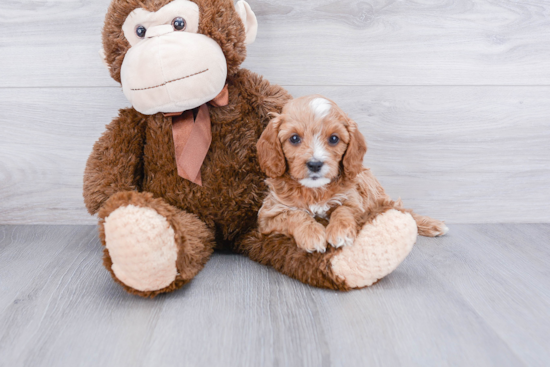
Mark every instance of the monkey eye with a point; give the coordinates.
(333, 140)
(140, 31)
(295, 139)
(179, 23)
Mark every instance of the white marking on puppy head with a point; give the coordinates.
(320, 154)
(320, 107)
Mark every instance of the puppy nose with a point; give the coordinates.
(314, 166)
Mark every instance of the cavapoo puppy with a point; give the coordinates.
(313, 155)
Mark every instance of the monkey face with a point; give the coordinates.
(169, 66)
(175, 55)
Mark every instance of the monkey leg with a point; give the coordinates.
(427, 226)
(151, 247)
(381, 245)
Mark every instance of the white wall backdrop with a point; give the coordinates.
(453, 97)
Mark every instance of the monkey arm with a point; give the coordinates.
(115, 163)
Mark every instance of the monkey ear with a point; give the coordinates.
(103, 59)
(249, 20)
(270, 153)
(357, 147)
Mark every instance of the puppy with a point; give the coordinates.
(313, 155)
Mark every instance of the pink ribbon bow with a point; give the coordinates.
(193, 136)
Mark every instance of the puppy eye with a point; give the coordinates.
(295, 139)
(179, 24)
(333, 140)
(140, 31)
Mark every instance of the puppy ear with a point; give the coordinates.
(357, 147)
(270, 153)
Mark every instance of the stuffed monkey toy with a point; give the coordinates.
(176, 175)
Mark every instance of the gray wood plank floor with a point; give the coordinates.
(479, 296)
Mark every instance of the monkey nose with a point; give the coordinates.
(314, 166)
(158, 30)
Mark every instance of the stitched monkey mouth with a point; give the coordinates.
(173, 80)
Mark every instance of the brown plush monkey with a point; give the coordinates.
(177, 175)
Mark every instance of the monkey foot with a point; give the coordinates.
(151, 247)
(378, 249)
(142, 248)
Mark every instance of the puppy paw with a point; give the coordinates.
(312, 238)
(341, 234)
(443, 230)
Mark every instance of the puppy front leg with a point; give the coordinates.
(308, 234)
(342, 228)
